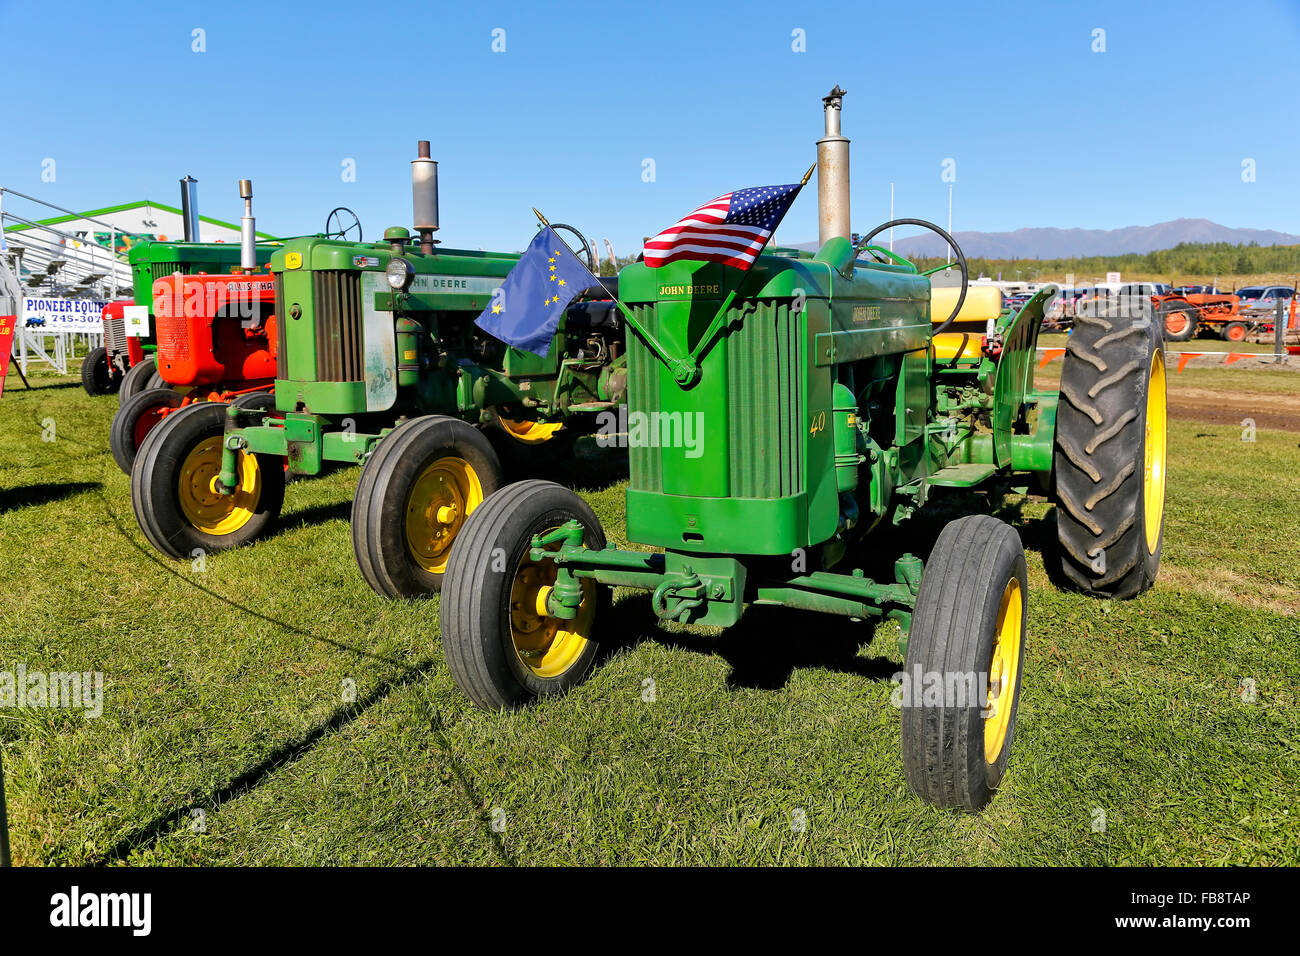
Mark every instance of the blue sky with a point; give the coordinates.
(1044, 131)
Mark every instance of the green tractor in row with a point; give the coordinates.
(843, 394)
(379, 364)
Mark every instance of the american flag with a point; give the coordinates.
(732, 229)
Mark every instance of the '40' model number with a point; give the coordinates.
(818, 423)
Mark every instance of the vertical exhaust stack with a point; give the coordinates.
(424, 196)
(247, 229)
(833, 173)
(190, 208)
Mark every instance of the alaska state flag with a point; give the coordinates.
(526, 310)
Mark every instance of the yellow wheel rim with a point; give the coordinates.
(1004, 670)
(440, 501)
(1153, 474)
(529, 433)
(202, 505)
(547, 646)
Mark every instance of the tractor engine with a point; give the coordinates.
(213, 328)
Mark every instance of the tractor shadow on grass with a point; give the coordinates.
(31, 496)
(254, 776)
(764, 648)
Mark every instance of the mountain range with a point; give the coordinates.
(1052, 243)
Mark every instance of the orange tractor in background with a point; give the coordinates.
(216, 341)
(1185, 313)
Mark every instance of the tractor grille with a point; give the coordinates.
(161, 270)
(282, 331)
(115, 337)
(765, 404)
(173, 337)
(339, 352)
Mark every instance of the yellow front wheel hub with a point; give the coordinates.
(440, 500)
(546, 645)
(1156, 448)
(1004, 671)
(207, 509)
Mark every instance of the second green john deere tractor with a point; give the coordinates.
(380, 364)
(841, 395)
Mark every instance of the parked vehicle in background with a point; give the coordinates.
(1257, 298)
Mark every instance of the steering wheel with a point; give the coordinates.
(583, 244)
(342, 226)
(864, 244)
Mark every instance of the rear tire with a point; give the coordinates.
(1110, 455)
(416, 491)
(171, 486)
(135, 418)
(500, 651)
(138, 378)
(968, 634)
(1179, 321)
(96, 374)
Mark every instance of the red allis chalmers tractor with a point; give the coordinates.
(1186, 313)
(216, 341)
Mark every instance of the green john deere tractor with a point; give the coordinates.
(380, 364)
(843, 394)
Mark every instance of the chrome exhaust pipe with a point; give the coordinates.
(190, 208)
(247, 229)
(424, 196)
(833, 218)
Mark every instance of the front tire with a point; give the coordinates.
(1110, 455)
(501, 649)
(135, 418)
(96, 374)
(963, 666)
(1234, 332)
(141, 376)
(417, 490)
(173, 486)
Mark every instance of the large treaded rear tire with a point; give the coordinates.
(1108, 545)
(1186, 320)
(968, 631)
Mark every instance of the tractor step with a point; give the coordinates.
(964, 475)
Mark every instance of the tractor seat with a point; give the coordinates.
(962, 340)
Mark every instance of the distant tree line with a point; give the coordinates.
(1187, 258)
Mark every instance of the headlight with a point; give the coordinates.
(400, 272)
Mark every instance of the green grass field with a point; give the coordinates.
(269, 708)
